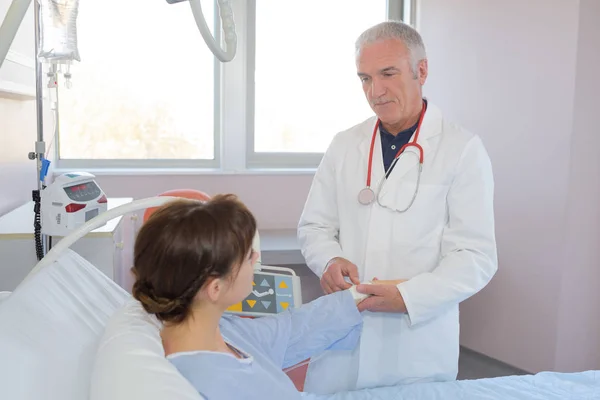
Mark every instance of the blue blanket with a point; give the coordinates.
(542, 386)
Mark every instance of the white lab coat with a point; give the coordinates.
(444, 244)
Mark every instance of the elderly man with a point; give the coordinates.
(405, 196)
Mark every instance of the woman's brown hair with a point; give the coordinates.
(182, 245)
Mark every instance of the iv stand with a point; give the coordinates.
(40, 146)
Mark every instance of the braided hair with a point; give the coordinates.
(182, 246)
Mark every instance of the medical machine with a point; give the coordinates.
(69, 202)
(271, 294)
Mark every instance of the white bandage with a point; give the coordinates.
(358, 297)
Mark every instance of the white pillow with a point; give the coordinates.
(131, 364)
(50, 327)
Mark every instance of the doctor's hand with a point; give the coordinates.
(376, 281)
(383, 297)
(333, 278)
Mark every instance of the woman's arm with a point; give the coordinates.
(327, 323)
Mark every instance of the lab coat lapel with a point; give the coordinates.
(378, 169)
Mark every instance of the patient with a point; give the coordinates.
(192, 261)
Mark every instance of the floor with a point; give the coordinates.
(471, 365)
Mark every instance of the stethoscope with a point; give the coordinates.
(366, 196)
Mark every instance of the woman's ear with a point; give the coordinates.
(213, 289)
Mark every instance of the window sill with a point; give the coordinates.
(187, 171)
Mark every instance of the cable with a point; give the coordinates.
(228, 24)
(37, 225)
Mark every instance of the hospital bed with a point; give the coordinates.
(70, 333)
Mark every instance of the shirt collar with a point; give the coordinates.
(409, 131)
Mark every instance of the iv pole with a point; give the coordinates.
(40, 145)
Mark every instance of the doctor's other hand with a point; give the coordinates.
(383, 297)
(333, 278)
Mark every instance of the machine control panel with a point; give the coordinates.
(83, 192)
(271, 294)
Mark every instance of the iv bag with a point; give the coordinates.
(58, 30)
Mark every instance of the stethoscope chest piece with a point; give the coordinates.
(366, 196)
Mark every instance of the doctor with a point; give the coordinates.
(422, 214)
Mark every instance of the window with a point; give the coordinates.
(143, 92)
(149, 93)
(306, 88)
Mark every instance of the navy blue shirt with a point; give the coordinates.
(390, 144)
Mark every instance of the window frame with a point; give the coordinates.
(233, 112)
(114, 164)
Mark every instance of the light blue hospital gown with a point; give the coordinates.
(271, 344)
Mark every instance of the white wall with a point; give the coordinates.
(18, 136)
(578, 343)
(276, 200)
(507, 71)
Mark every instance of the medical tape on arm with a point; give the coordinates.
(358, 297)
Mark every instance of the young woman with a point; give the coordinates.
(192, 261)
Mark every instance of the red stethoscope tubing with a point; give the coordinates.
(411, 143)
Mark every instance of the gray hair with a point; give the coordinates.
(395, 30)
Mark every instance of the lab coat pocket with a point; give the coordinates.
(423, 222)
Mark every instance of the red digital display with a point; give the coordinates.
(78, 187)
(83, 192)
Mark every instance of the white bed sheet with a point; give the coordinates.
(50, 328)
(543, 386)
